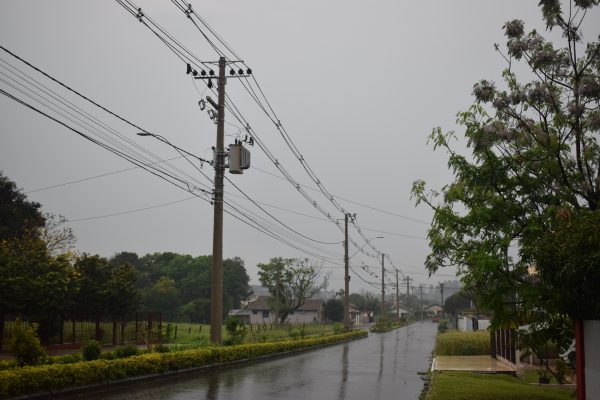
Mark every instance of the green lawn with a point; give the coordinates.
(467, 386)
(192, 333)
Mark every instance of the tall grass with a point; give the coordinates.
(463, 343)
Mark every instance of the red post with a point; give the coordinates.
(580, 359)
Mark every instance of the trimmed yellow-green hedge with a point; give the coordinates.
(457, 343)
(29, 380)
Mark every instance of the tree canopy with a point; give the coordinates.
(290, 281)
(531, 177)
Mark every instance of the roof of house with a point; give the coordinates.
(311, 305)
(262, 303)
(239, 312)
(433, 307)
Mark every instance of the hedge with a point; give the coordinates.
(457, 343)
(43, 378)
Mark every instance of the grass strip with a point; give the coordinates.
(49, 378)
(470, 386)
(457, 343)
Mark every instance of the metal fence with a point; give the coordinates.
(72, 331)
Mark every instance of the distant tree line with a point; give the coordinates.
(41, 275)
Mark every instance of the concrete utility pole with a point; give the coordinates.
(442, 293)
(346, 276)
(397, 297)
(382, 285)
(216, 297)
(421, 302)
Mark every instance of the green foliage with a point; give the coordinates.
(126, 351)
(161, 348)
(25, 344)
(334, 310)
(450, 385)
(19, 217)
(443, 325)
(32, 380)
(290, 280)
(91, 350)
(236, 329)
(457, 343)
(529, 181)
(383, 324)
(338, 328)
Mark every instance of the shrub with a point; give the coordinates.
(127, 351)
(161, 348)
(31, 380)
(236, 329)
(25, 344)
(91, 350)
(383, 324)
(462, 343)
(443, 326)
(338, 328)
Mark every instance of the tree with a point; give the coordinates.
(19, 217)
(290, 281)
(334, 310)
(358, 301)
(534, 163)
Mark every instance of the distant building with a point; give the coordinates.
(261, 312)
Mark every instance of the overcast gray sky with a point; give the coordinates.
(358, 86)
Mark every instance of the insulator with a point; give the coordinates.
(232, 72)
(195, 73)
(189, 69)
(240, 71)
(211, 72)
(210, 84)
(203, 73)
(249, 71)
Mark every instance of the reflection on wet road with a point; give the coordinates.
(382, 366)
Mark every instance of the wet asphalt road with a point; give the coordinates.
(382, 366)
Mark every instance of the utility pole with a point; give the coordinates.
(346, 276)
(407, 279)
(421, 302)
(442, 293)
(216, 296)
(382, 285)
(397, 297)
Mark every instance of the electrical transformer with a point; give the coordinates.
(239, 158)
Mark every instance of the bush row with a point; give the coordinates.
(29, 380)
(463, 343)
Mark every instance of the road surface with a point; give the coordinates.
(382, 366)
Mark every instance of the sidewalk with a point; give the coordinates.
(482, 364)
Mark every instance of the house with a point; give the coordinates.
(242, 315)
(402, 311)
(433, 310)
(469, 322)
(262, 313)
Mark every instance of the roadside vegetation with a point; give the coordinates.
(467, 386)
(455, 343)
(42, 378)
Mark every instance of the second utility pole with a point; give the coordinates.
(346, 277)
(216, 294)
(382, 285)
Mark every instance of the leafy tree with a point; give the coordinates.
(358, 301)
(291, 281)
(532, 174)
(456, 303)
(334, 310)
(235, 281)
(19, 217)
(105, 288)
